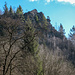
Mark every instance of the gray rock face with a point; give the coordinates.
(34, 12)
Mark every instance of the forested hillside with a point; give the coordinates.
(30, 45)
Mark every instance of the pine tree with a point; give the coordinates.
(11, 10)
(48, 19)
(30, 37)
(30, 45)
(40, 67)
(19, 13)
(72, 32)
(5, 9)
(44, 22)
(36, 19)
(61, 30)
(19, 10)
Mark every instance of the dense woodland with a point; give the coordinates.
(30, 45)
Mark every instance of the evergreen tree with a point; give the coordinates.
(19, 10)
(72, 32)
(44, 22)
(29, 38)
(5, 9)
(61, 30)
(30, 44)
(11, 10)
(48, 19)
(40, 67)
(19, 13)
(28, 21)
(36, 19)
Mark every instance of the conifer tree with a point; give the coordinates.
(30, 36)
(19, 10)
(11, 10)
(36, 19)
(30, 45)
(19, 13)
(5, 9)
(44, 21)
(72, 33)
(61, 30)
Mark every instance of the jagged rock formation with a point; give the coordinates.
(34, 12)
(39, 19)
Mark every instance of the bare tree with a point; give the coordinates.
(10, 42)
(14, 34)
(53, 64)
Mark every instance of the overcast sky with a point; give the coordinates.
(60, 11)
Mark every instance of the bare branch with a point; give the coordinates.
(11, 60)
